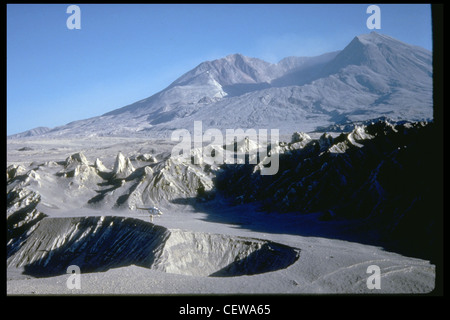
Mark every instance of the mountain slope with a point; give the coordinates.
(374, 75)
(32, 132)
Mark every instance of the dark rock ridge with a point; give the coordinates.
(382, 175)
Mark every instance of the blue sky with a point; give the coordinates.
(124, 53)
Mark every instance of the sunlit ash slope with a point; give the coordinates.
(374, 75)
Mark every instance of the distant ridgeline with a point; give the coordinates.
(374, 75)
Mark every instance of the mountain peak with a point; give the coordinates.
(382, 54)
(232, 69)
(373, 75)
(378, 38)
(372, 36)
(235, 56)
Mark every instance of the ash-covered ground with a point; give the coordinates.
(337, 205)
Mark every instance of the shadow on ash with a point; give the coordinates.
(96, 244)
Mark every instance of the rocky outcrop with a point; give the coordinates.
(122, 167)
(381, 174)
(98, 165)
(170, 180)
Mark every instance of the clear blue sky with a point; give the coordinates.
(124, 53)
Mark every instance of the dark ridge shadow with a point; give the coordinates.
(380, 194)
(130, 242)
(256, 217)
(103, 192)
(115, 183)
(99, 245)
(105, 175)
(17, 235)
(270, 257)
(138, 173)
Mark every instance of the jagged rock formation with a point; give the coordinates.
(94, 185)
(14, 170)
(99, 166)
(21, 202)
(74, 160)
(379, 174)
(122, 167)
(78, 168)
(146, 158)
(172, 179)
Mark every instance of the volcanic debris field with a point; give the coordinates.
(338, 204)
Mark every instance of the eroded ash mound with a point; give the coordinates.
(99, 243)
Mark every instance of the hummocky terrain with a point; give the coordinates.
(314, 227)
(354, 188)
